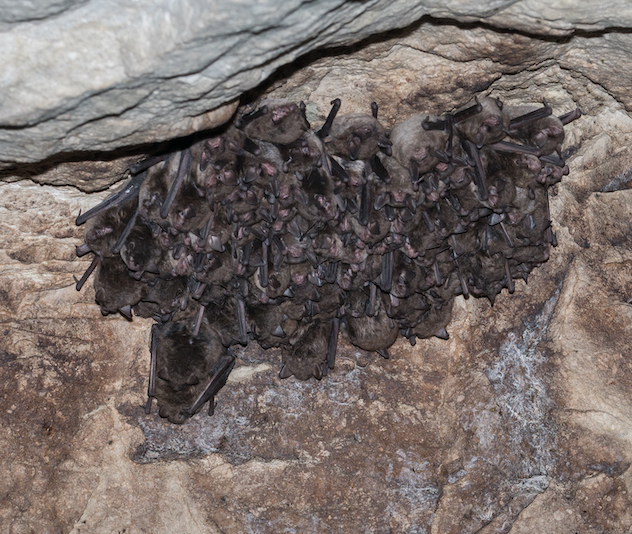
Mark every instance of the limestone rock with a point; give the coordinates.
(96, 75)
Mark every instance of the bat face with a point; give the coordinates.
(356, 136)
(190, 209)
(140, 252)
(275, 121)
(416, 148)
(218, 162)
(274, 233)
(104, 230)
(486, 126)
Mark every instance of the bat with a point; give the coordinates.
(268, 231)
(275, 121)
(416, 148)
(189, 369)
(540, 128)
(355, 136)
(488, 124)
(308, 357)
(373, 333)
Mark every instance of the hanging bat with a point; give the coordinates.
(310, 354)
(376, 332)
(419, 149)
(275, 121)
(484, 123)
(355, 136)
(189, 369)
(540, 128)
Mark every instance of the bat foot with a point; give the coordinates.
(148, 405)
(442, 334)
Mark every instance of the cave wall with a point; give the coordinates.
(104, 74)
(521, 422)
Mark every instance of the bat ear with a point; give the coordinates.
(353, 146)
(205, 159)
(481, 136)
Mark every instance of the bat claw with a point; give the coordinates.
(318, 372)
(285, 372)
(148, 405)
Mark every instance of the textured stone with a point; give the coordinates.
(12, 12)
(520, 422)
(101, 74)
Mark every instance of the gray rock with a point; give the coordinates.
(14, 12)
(95, 76)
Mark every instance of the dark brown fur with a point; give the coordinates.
(275, 233)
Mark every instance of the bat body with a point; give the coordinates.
(275, 121)
(417, 148)
(188, 367)
(486, 126)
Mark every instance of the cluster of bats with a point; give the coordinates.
(274, 232)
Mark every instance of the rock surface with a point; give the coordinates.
(521, 422)
(102, 74)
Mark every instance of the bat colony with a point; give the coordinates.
(277, 233)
